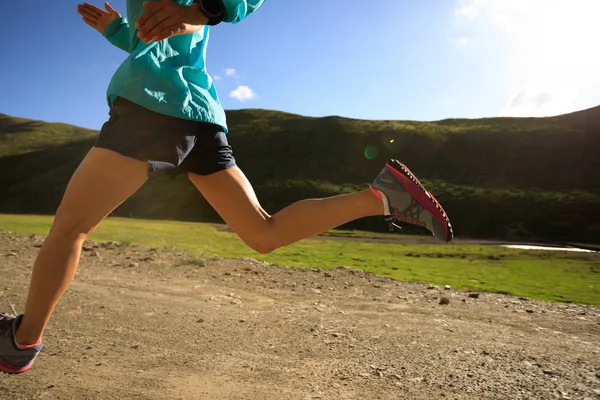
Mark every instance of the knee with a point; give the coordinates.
(263, 244)
(69, 225)
(262, 247)
(263, 240)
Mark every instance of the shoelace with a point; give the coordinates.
(392, 220)
(6, 322)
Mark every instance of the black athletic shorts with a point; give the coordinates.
(170, 145)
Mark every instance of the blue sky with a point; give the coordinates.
(382, 59)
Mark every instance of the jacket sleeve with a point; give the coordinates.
(117, 32)
(237, 10)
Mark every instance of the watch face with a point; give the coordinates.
(212, 7)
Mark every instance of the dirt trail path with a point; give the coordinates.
(140, 324)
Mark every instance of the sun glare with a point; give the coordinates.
(554, 47)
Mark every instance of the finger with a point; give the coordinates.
(160, 32)
(93, 9)
(168, 31)
(111, 10)
(90, 22)
(88, 14)
(149, 10)
(154, 24)
(165, 28)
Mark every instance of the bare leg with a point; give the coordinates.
(102, 181)
(232, 196)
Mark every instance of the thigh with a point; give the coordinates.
(103, 180)
(230, 193)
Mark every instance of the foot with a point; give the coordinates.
(15, 359)
(405, 199)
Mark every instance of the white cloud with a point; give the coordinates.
(460, 41)
(231, 72)
(242, 93)
(551, 46)
(469, 9)
(217, 78)
(540, 102)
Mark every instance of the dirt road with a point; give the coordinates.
(141, 324)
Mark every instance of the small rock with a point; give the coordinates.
(444, 301)
(201, 320)
(529, 310)
(98, 364)
(474, 295)
(95, 254)
(431, 287)
(447, 287)
(134, 265)
(327, 274)
(548, 372)
(11, 254)
(50, 386)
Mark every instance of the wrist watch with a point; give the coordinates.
(212, 9)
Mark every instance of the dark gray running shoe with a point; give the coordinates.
(14, 359)
(405, 199)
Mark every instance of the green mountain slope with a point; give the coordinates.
(496, 177)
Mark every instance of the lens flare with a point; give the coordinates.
(371, 152)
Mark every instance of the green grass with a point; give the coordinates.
(554, 276)
(491, 175)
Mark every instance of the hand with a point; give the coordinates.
(96, 17)
(163, 19)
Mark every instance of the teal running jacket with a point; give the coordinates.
(170, 76)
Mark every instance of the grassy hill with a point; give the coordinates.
(496, 177)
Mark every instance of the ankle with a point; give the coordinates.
(25, 339)
(383, 204)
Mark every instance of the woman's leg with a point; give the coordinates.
(102, 181)
(232, 196)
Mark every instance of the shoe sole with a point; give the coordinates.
(10, 370)
(426, 199)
